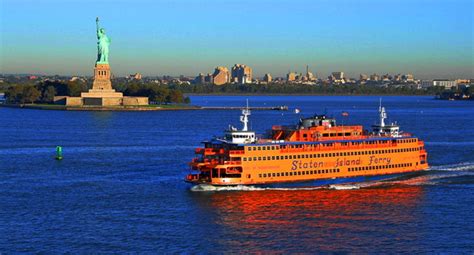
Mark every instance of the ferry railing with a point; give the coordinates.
(321, 148)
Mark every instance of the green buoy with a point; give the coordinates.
(59, 152)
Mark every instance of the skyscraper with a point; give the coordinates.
(291, 76)
(221, 75)
(267, 78)
(309, 75)
(241, 74)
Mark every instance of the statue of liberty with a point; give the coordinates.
(102, 45)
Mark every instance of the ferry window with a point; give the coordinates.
(278, 174)
(273, 174)
(307, 172)
(311, 171)
(259, 148)
(327, 171)
(319, 171)
(325, 135)
(347, 134)
(259, 158)
(299, 173)
(286, 174)
(286, 157)
(264, 175)
(291, 173)
(273, 157)
(259, 175)
(245, 159)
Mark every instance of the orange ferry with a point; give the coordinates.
(316, 151)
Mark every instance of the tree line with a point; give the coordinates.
(290, 88)
(45, 91)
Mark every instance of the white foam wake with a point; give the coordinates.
(207, 188)
(464, 166)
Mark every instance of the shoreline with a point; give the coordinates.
(287, 94)
(139, 108)
(98, 108)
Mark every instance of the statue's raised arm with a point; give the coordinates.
(98, 28)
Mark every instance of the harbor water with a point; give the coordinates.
(119, 187)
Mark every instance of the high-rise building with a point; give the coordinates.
(241, 74)
(363, 77)
(338, 75)
(200, 79)
(386, 77)
(408, 77)
(267, 78)
(221, 75)
(136, 76)
(374, 77)
(208, 78)
(291, 76)
(309, 75)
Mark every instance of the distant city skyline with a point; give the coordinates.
(430, 39)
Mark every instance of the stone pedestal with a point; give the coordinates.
(102, 92)
(102, 77)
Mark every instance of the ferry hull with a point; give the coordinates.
(322, 182)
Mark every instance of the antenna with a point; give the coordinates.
(244, 118)
(382, 114)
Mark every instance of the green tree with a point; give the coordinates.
(48, 94)
(30, 94)
(14, 94)
(75, 88)
(187, 100)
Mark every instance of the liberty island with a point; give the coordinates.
(102, 93)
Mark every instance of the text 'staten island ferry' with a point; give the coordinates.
(316, 151)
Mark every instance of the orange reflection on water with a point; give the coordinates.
(318, 220)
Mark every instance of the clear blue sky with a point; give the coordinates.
(430, 38)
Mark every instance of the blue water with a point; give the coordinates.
(119, 188)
